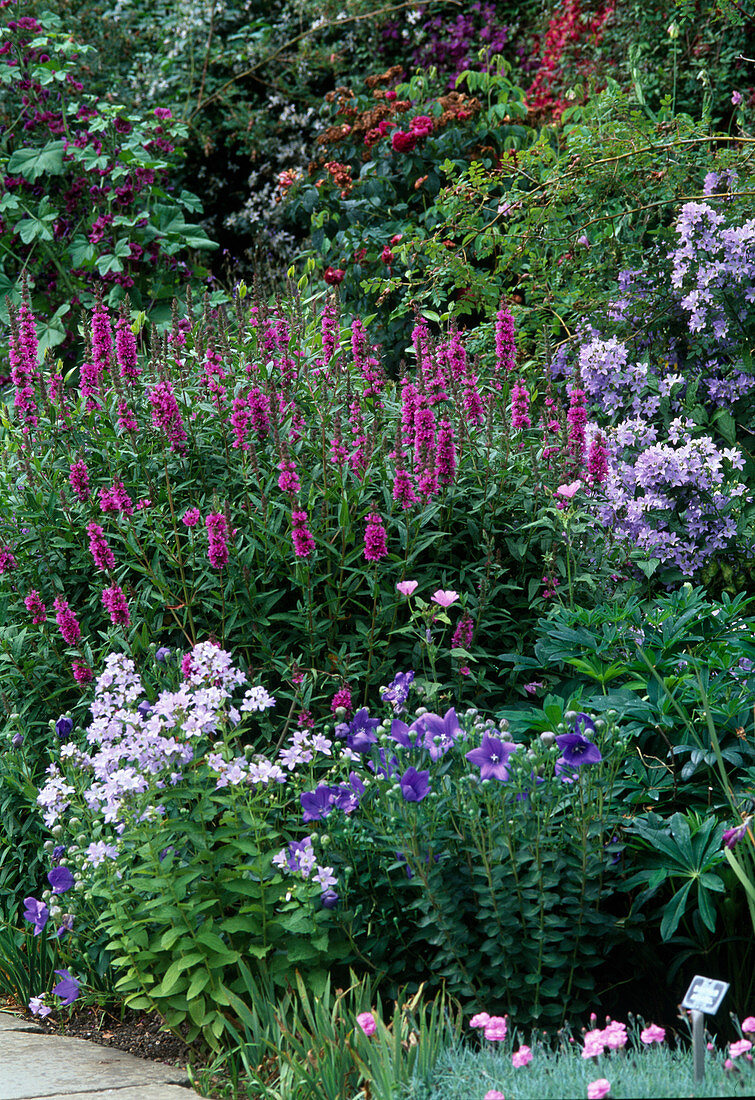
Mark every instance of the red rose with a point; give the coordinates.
(387, 256)
(403, 142)
(334, 275)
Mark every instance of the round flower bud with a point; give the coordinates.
(420, 711)
(57, 830)
(570, 716)
(548, 737)
(600, 725)
(48, 845)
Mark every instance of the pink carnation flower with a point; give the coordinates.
(748, 1025)
(494, 1094)
(653, 1034)
(521, 1057)
(496, 1029)
(480, 1020)
(596, 1090)
(367, 1023)
(741, 1047)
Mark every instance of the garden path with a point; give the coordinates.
(38, 1066)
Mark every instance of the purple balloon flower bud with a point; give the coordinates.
(144, 708)
(17, 740)
(64, 727)
(414, 785)
(162, 654)
(329, 899)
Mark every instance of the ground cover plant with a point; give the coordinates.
(377, 655)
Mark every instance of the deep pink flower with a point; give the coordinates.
(114, 498)
(505, 348)
(217, 535)
(7, 560)
(288, 479)
(342, 698)
(367, 1023)
(387, 256)
(191, 517)
(303, 542)
(520, 406)
(78, 478)
(166, 415)
(35, 607)
(597, 461)
(421, 125)
(496, 1029)
(114, 601)
(748, 1025)
(479, 1020)
(125, 349)
(445, 453)
(402, 141)
(334, 275)
(103, 556)
(462, 635)
(375, 542)
(67, 622)
(403, 490)
(82, 673)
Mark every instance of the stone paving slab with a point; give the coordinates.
(38, 1066)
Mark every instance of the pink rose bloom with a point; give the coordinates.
(406, 588)
(494, 1094)
(367, 1023)
(496, 1028)
(748, 1025)
(444, 598)
(521, 1057)
(568, 491)
(653, 1034)
(596, 1090)
(741, 1047)
(480, 1020)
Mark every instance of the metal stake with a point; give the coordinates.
(698, 1046)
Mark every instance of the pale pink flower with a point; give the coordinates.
(496, 1028)
(367, 1023)
(521, 1057)
(406, 588)
(444, 597)
(596, 1090)
(740, 1047)
(653, 1034)
(494, 1094)
(480, 1020)
(568, 491)
(748, 1025)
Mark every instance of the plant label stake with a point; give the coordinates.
(703, 996)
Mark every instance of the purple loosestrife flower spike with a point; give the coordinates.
(67, 622)
(492, 758)
(301, 536)
(103, 556)
(67, 988)
(217, 535)
(114, 602)
(375, 542)
(60, 879)
(520, 406)
(415, 785)
(37, 913)
(35, 607)
(505, 347)
(166, 415)
(78, 479)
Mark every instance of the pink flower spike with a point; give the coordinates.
(596, 1090)
(568, 491)
(748, 1025)
(367, 1023)
(444, 598)
(406, 588)
(653, 1034)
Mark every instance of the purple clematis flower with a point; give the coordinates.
(61, 879)
(492, 758)
(318, 803)
(414, 785)
(37, 913)
(576, 750)
(67, 988)
(362, 734)
(440, 733)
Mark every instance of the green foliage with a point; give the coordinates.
(501, 890)
(88, 192)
